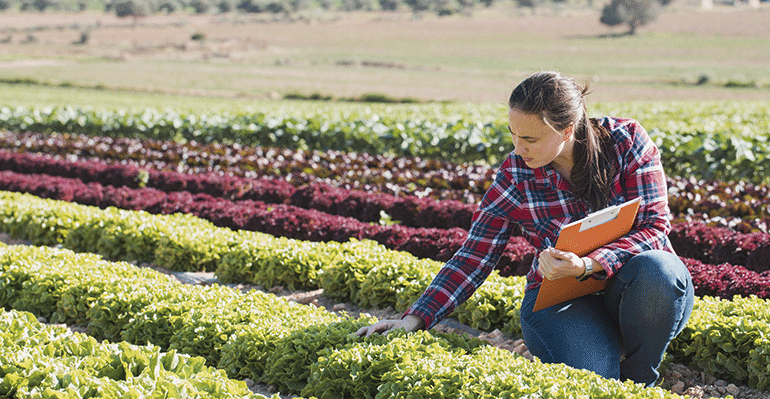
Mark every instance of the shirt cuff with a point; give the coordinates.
(603, 258)
(428, 319)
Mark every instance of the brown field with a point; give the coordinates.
(476, 58)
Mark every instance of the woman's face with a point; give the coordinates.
(538, 143)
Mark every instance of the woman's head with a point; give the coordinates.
(552, 108)
(558, 100)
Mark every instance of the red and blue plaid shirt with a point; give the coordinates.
(541, 201)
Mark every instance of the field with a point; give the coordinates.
(143, 147)
(463, 59)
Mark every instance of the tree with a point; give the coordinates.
(389, 5)
(224, 6)
(418, 5)
(634, 13)
(201, 6)
(132, 8)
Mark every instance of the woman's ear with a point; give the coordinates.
(568, 131)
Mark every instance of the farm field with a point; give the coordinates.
(463, 59)
(142, 147)
(152, 176)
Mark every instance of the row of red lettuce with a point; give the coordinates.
(743, 207)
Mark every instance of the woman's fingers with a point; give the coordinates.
(378, 327)
(408, 323)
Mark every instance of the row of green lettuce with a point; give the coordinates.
(708, 140)
(45, 361)
(364, 272)
(728, 339)
(299, 348)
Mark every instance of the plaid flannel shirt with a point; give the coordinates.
(542, 202)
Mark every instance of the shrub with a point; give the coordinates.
(224, 6)
(389, 5)
(132, 8)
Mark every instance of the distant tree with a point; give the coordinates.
(224, 6)
(278, 6)
(298, 5)
(258, 6)
(525, 3)
(358, 5)
(132, 8)
(447, 7)
(42, 5)
(389, 5)
(418, 5)
(170, 6)
(634, 13)
(248, 6)
(5, 4)
(201, 6)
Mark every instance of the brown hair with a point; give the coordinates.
(559, 101)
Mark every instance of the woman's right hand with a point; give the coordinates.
(408, 323)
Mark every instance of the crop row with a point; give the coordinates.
(280, 220)
(362, 272)
(437, 179)
(728, 339)
(741, 206)
(723, 280)
(718, 141)
(295, 347)
(695, 240)
(409, 211)
(44, 361)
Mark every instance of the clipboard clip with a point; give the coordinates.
(600, 217)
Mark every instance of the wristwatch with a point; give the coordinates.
(589, 265)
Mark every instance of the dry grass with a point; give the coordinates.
(476, 59)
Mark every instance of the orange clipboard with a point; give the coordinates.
(582, 237)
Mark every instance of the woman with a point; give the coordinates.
(564, 166)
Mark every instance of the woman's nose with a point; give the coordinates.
(518, 149)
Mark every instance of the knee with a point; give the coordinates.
(658, 269)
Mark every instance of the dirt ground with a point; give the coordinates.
(349, 54)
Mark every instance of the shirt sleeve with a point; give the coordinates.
(642, 176)
(470, 266)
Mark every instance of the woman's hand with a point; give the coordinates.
(408, 323)
(555, 264)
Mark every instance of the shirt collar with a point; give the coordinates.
(556, 181)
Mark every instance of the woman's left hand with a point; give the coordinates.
(555, 264)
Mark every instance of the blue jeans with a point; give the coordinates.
(621, 333)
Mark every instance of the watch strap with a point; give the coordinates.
(589, 266)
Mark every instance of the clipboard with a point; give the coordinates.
(582, 237)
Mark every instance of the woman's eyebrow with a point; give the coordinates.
(524, 137)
